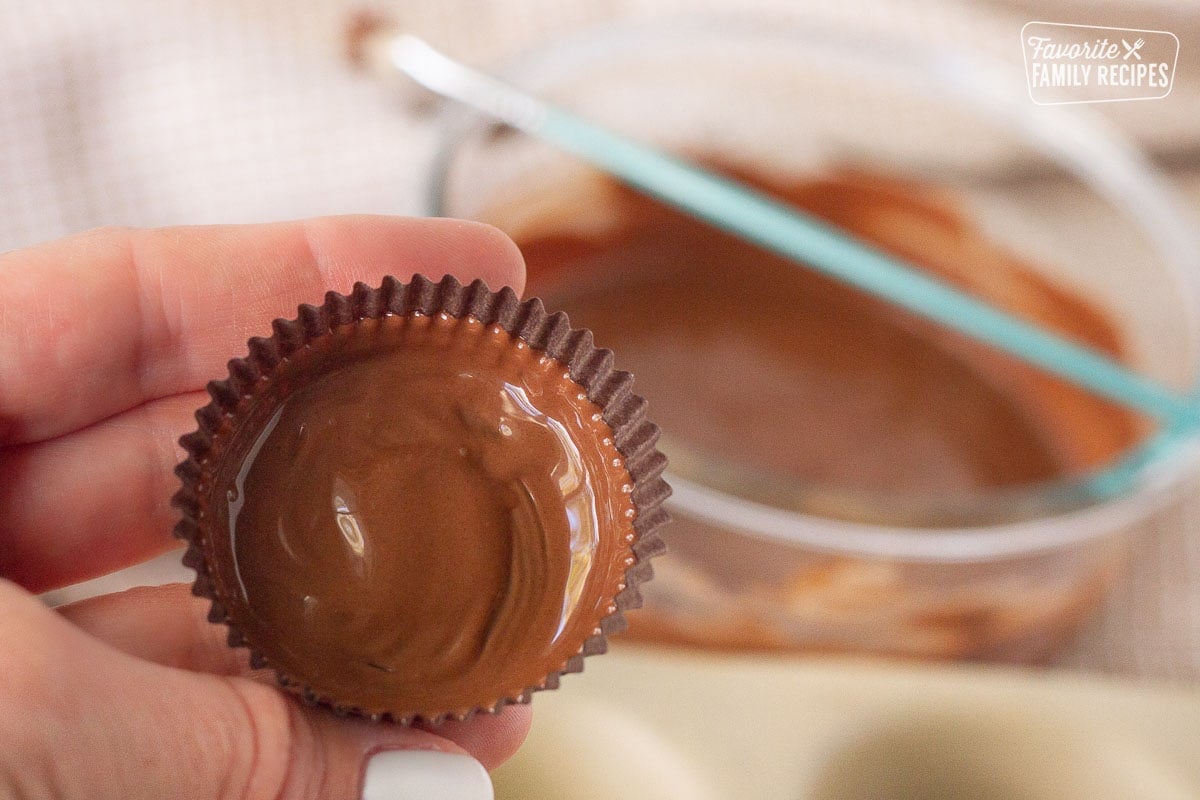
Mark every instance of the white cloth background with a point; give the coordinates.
(199, 111)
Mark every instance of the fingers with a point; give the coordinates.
(82, 720)
(78, 506)
(164, 624)
(98, 323)
(490, 738)
(169, 626)
(83, 505)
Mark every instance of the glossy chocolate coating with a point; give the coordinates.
(419, 515)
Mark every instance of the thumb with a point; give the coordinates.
(80, 719)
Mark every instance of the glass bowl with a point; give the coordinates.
(1003, 574)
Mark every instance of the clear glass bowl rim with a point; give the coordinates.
(1127, 180)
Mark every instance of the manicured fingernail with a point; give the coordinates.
(425, 775)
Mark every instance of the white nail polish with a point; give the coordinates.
(425, 775)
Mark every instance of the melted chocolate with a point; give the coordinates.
(783, 377)
(419, 515)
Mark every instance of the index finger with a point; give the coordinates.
(103, 321)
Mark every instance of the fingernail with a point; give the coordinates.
(425, 775)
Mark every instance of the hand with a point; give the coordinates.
(106, 340)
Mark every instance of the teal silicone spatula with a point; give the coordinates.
(750, 214)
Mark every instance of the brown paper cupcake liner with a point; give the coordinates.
(634, 436)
